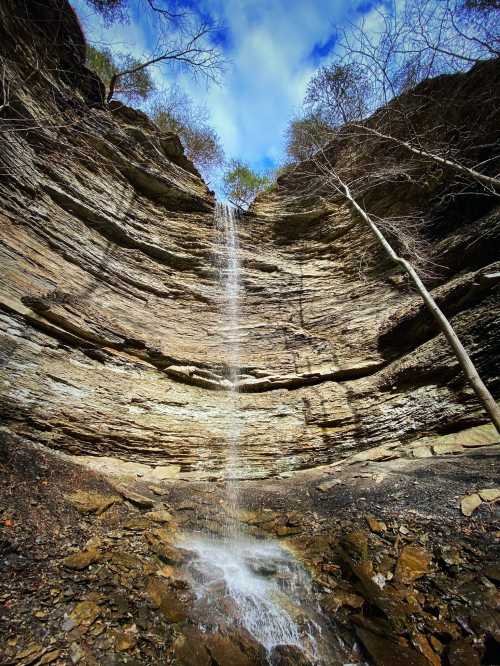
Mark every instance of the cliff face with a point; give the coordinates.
(111, 342)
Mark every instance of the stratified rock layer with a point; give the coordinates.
(111, 342)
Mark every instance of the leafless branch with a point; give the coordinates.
(195, 54)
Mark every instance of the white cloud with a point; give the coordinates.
(270, 41)
(266, 82)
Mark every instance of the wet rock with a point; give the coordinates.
(215, 527)
(372, 587)
(450, 555)
(167, 571)
(49, 657)
(478, 593)
(462, 653)
(493, 572)
(436, 644)
(487, 622)
(159, 516)
(265, 569)
(166, 600)
(127, 639)
(189, 649)
(125, 562)
(76, 654)
(389, 652)
(264, 517)
(423, 645)
(356, 544)
(137, 523)
(413, 563)
(227, 652)
(338, 598)
(377, 526)
(386, 565)
(159, 542)
(91, 502)
(286, 530)
(288, 655)
(83, 615)
(469, 504)
(82, 559)
(31, 653)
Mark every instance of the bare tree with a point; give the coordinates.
(337, 94)
(133, 87)
(118, 10)
(193, 54)
(404, 43)
(181, 39)
(411, 43)
(174, 111)
(334, 180)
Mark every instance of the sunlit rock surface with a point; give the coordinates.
(111, 343)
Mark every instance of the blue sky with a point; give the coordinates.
(273, 48)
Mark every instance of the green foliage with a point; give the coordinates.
(176, 112)
(241, 184)
(131, 86)
(101, 62)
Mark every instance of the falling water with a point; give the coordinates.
(270, 592)
(228, 273)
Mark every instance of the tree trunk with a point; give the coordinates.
(483, 394)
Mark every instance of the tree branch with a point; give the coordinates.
(489, 181)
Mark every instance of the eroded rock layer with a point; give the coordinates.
(111, 341)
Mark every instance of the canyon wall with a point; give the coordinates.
(110, 337)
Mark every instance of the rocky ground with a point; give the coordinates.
(92, 572)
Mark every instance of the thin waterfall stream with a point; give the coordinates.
(249, 584)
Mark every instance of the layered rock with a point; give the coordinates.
(112, 343)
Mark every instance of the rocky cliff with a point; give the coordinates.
(111, 343)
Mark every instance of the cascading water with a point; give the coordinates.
(228, 274)
(240, 581)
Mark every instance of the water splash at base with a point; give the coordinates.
(259, 586)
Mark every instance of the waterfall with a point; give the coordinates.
(270, 592)
(228, 275)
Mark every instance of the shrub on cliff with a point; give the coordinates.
(241, 183)
(137, 85)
